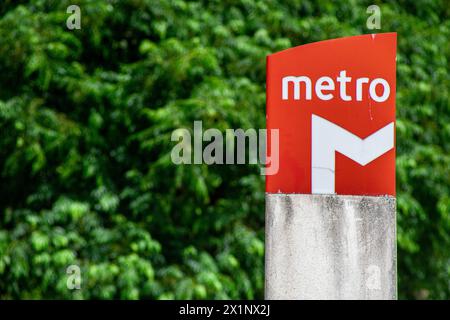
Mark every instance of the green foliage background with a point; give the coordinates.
(86, 118)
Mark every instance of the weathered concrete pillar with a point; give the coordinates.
(330, 247)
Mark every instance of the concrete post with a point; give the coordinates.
(330, 247)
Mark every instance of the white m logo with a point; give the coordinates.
(327, 138)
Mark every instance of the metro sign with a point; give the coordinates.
(334, 105)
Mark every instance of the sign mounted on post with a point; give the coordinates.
(330, 207)
(334, 105)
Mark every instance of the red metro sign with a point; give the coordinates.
(333, 103)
